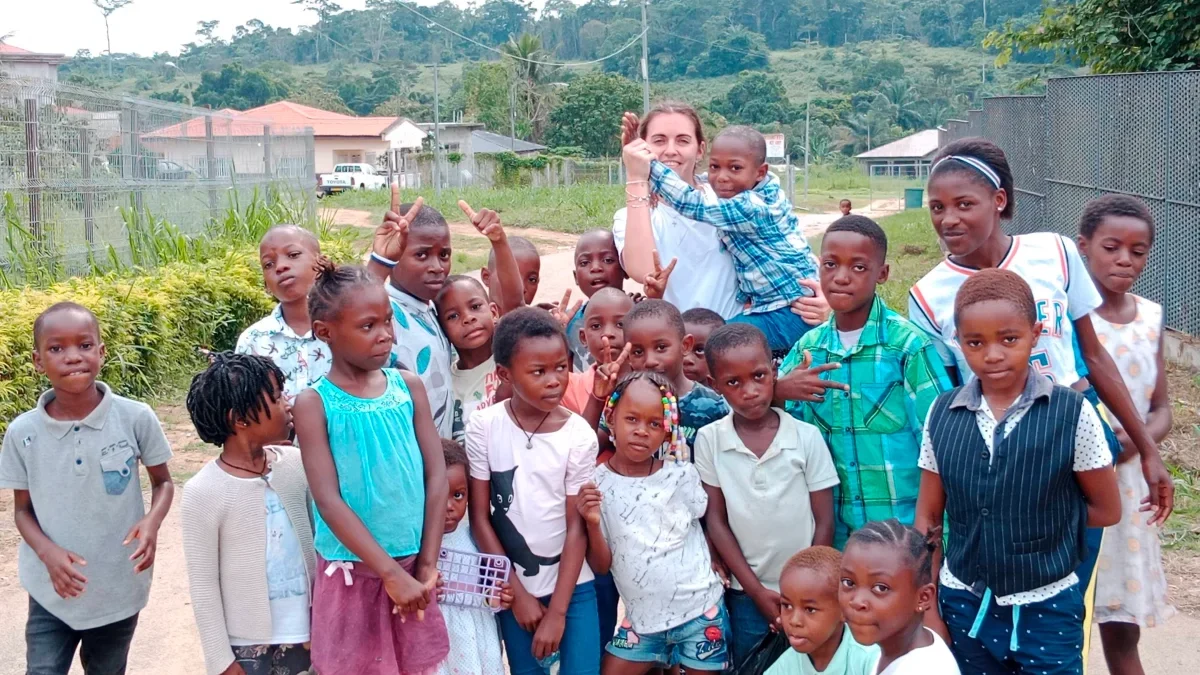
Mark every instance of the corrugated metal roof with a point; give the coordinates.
(917, 146)
(486, 141)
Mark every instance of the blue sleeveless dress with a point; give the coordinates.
(379, 466)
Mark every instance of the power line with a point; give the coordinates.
(558, 64)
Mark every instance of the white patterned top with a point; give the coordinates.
(303, 358)
(474, 638)
(1134, 348)
(660, 561)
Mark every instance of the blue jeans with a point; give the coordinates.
(607, 599)
(1044, 637)
(782, 327)
(580, 645)
(699, 644)
(747, 626)
(50, 645)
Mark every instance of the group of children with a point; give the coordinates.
(621, 450)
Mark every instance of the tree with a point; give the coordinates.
(736, 50)
(237, 88)
(107, 7)
(205, 29)
(486, 95)
(756, 98)
(324, 9)
(1111, 36)
(590, 113)
(533, 83)
(313, 94)
(499, 20)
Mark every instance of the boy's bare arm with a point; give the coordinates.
(821, 503)
(931, 509)
(1099, 488)
(145, 531)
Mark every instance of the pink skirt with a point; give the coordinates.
(355, 633)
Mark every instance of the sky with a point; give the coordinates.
(144, 27)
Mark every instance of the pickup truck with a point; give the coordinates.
(350, 177)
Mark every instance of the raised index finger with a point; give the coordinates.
(466, 208)
(412, 212)
(670, 266)
(622, 357)
(396, 198)
(657, 263)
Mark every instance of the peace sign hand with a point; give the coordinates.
(655, 284)
(805, 383)
(564, 315)
(486, 221)
(608, 370)
(391, 237)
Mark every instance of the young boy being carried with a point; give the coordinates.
(894, 374)
(87, 544)
(772, 259)
(758, 463)
(597, 267)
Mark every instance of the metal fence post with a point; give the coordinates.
(210, 156)
(89, 195)
(139, 167)
(33, 170)
(267, 152)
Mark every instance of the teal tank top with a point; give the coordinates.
(379, 466)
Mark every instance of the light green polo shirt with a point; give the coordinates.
(850, 658)
(82, 478)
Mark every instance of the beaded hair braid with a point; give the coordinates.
(675, 448)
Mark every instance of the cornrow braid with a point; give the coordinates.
(674, 448)
(232, 390)
(917, 547)
(332, 283)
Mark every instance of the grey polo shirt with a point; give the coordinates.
(82, 478)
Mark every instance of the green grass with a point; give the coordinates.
(573, 209)
(1182, 530)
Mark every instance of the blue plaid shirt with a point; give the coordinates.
(770, 253)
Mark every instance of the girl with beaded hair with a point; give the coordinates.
(645, 505)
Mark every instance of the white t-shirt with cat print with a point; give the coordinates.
(529, 488)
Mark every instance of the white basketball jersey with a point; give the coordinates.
(1062, 290)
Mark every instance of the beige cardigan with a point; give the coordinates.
(224, 542)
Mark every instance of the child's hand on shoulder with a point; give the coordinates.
(145, 531)
(769, 604)
(486, 221)
(588, 503)
(68, 581)
(608, 370)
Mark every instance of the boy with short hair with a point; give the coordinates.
(601, 328)
(749, 207)
(597, 266)
(412, 253)
(844, 206)
(529, 263)
(893, 372)
(72, 465)
(699, 322)
(288, 256)
(1020, 468)
(813, 620)
(469, 321)
(655, 332)
(757, 463)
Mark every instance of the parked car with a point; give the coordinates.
(350, 177)
(166, 169)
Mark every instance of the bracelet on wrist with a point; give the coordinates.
(382, 260)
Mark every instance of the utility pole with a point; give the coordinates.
(437, 131)
(645, 60)
(512, 116)
(983, 67)
(807, 143)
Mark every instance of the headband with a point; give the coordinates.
(975, 163)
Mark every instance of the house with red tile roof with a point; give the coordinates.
(337, 138)
(17, 62)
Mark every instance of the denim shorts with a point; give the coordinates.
(699, 644)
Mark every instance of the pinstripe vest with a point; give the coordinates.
(1017, 523)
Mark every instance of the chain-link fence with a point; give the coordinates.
(81, 169)
(484, 170)
(1136, 134)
